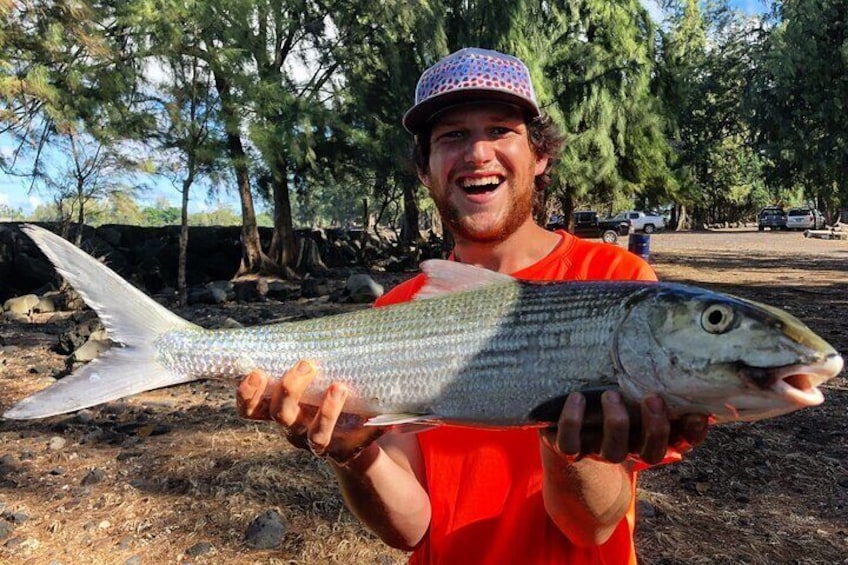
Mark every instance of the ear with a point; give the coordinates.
(424, 177)
(541, 165)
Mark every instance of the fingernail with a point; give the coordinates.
(613, 396)
(338, 393)
(303, 368)
(575, 400)
(251, 384)
(655, 405)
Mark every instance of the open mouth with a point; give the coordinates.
(480, 185)
(799, 383)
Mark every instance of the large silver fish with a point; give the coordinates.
(477, 348)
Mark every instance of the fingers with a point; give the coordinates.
(285, 401)
(324, 422)
(656, 430)
(570, 424)
(615, 444)
(251, 399)
(614, 430)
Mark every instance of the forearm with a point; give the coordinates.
(586, 499)
(386, 496)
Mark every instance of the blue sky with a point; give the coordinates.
(14, 191)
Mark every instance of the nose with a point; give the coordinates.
(479, 150)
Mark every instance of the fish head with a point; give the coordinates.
(716, 354)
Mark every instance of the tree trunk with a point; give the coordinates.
(80, 216)
(680, 217)
(566, 202)
(409, 232)
(282, 242)
(253, 260)
(182, 287)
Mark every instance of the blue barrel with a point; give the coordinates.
(640, 244)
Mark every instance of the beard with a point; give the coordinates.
(514, 214)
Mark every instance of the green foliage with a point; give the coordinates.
(712, 111)
(801, 99)
(600, 62)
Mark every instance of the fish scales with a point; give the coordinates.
(494, 342)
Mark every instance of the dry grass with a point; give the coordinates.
(180, 468)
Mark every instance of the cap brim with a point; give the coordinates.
(420, 114)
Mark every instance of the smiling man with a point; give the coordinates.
(461, 495)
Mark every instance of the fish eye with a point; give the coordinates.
(717, 318)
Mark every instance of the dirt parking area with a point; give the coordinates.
(174, 476)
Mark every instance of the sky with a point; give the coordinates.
(15, 193)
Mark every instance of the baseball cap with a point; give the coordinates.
(471, 75)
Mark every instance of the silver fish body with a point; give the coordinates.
(481, 349)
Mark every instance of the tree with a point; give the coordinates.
(801, 100)
(190, 136)
(66, 84)
(601, 65)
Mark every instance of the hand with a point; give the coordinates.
(646, 432)
(323, 429)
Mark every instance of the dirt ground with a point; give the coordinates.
(174, 476)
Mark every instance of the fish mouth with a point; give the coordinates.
(799, 383)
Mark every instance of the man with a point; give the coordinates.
(483, 150)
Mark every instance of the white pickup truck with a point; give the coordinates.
(640, 221)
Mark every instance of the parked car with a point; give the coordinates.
(640, 221)
(587, 224)
(804, 219)
(772, 217)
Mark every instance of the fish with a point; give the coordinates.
(475, 348)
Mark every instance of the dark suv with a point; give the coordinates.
(587, 224)
(772, 217)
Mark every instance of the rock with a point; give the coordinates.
(57, 471)
(72, 339)
(85, 416)
(216, 292)
(645, 509)
(200, 548)
(134, 560)
(93, 477)
(22, 305)
(5, 529)
(231, 324)
(266, 531)
(282, 291)
(90, 350)
(314, 288)
(363, 289)
(56, 443)
(251, 290)
(17, 517)
(45, 304)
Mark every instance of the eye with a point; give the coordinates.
(448, 134)
(717, 318)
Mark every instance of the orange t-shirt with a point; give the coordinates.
(485, 486)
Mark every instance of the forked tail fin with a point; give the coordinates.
(132, 319)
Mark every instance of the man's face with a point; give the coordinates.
(482, 170)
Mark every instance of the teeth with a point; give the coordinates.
(479, 181)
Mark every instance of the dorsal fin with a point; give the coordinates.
(447, 277)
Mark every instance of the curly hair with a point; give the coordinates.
(545, 141)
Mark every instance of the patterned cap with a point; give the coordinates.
(469, 75)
